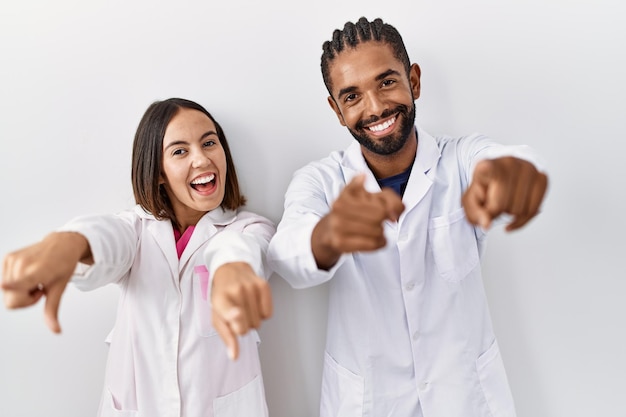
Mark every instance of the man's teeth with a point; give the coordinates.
(382, 126)
(203, 180)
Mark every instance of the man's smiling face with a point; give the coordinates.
(373, 96)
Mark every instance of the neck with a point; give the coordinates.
(183, 223)
(384, 166)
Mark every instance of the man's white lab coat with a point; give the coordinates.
(409, 331)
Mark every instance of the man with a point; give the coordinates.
(396, 223)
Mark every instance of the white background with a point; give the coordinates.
(76, 76)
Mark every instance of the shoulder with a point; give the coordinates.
(246, 216)
(447, 142)
(328, 165)
(467, 148)
(247, 220)
(249, 223)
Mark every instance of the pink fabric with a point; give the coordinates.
(201, 270)
(203, 275)
(182, 240)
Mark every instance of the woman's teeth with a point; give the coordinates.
(203, 180)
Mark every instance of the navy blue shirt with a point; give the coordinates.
(397, 182)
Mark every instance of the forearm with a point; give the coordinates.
(74, 244)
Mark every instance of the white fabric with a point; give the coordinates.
(409, 330)
(165, 358)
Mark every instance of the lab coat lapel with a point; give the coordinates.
(163, 233)
(353, 163)
(205, 230)
(423, 171)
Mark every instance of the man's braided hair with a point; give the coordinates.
(355, 34)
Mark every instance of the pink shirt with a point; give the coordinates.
(182, 240)
(200, 270)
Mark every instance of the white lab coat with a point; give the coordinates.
(165, 358)
(409, 331)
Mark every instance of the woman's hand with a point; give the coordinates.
(240, 301)
(43, 270)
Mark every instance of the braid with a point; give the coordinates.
(354, 34)
(365, 31)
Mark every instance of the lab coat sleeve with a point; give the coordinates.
(306, 202)
(476, 147)
(113, 240)
(248, 244)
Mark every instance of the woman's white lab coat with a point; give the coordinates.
(409, 331)
(165, 358)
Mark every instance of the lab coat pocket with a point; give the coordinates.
(454, 246)
(493, 381)
(342, 391)
(111, 408)
(201, 301)
(247, 401)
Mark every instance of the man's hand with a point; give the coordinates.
(355, 222)
(43, 269)
(240, 301)
(504, 185)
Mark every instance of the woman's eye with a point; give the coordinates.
(178, 152)
(209, 143)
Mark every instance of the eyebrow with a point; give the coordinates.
(184, 142)
(379, 77)
(387, 73)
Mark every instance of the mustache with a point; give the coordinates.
(385, 114)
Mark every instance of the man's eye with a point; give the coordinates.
(387, 83)
(350, 97)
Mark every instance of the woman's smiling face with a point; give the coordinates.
(194, 166)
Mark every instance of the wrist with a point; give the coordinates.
(321, 245)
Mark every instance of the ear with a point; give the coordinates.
(414, 77)
(335, 107)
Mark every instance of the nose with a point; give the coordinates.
(375, 106)
(200, 160)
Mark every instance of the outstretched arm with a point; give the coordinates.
(43, 270)
(240, 295)
(504, 185)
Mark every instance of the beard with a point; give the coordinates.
(390, 144)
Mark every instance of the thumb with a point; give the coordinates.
(392, 202)
(357, 183)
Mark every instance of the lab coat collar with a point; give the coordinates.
(205, 229)
(426, 159)
(163, 233)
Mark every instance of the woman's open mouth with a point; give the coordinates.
(203, 183)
